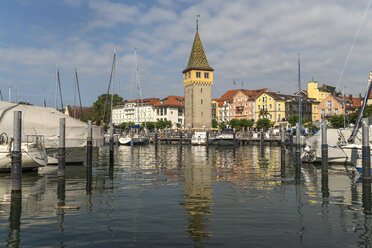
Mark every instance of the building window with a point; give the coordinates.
(270, 117)
(198, 74)
(329, 111)
(189, 74)
(201, 90)
(279, 107)
(269, 106)
(201, 101)
(185, 76)
(336, 111)
(258, 106)
(206, 74)
(279, 118)
(201, 114)
(329, 104)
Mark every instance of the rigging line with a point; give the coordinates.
(108, 88)
(352, 46)
(60, 91)
(78, 89)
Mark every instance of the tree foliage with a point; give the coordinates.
(104, 101)
(222, 125)
(263, 123)
(293, 119)
(336, 121)
(149, 125)
(239, 124)
(25, 103)
(160, 124)
(214, 123)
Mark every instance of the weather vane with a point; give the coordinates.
(197, 22)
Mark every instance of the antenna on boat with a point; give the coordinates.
(44, 102)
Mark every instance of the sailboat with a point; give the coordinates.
(135, 137)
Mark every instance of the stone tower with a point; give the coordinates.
(198, 81)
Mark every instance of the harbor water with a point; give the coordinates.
(187, 196)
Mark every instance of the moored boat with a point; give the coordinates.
(226, 138)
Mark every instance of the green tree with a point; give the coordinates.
(336, 121)
(160, 124)
(104, 101)
(214, 123)
(235, 123)
(149, 125)
(293, 119)
(25, 103)
(222, 125)
(244, 123)
(263, 123)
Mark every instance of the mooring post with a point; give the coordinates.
(366, 196)
(156, 139)
(282, 145)
(111, 148)
(16, 169)
(262, 138)
(89, 144)
(62, 147)
(181, 136)
(234, 136)
(207, 138)
(15, 214)
(366, 152)
(324, 146)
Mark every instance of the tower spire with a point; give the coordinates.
(197, 22)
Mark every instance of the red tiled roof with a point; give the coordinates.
(228, 96)
(357, 102)
(146, 101)
(79, 111)
(171, 101)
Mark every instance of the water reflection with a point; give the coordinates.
(15, 219)
(61, 196)
(198, 201)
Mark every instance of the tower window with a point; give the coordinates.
(189, 74)
(198, 74)
(185, 75)
(206, 74)
(201, 101)
(202, 114)
(201, 90)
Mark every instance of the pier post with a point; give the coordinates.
(207, 139)
(366, 197)
(298, 142)
(282, 145)
(234, 136)
(111, 146)
(156, 139)
(62, 147)
(262, 137)
(324, 146)
(16, 169)
(15, 214)
(181, 136)
(366, 152)
(89, 144)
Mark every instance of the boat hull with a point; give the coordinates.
(226, 142)
(127, 141)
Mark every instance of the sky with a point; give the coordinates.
(254, 43)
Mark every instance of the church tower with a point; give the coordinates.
(198, 81)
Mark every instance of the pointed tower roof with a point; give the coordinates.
(197, 60)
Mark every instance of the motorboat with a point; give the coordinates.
(199, 138)
(32, 150)
(226, 138)
(135, 139)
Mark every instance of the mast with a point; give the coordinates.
(44, 102)
(1, 95)
(74, 92)
(57, 76)
(139, 92)
(344, 107)
(78, 90)
(299, 93)
(109, 87)
(10, 96)
(113, 77)
(356, 126)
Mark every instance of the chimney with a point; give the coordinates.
(360, 95)
(351, 97)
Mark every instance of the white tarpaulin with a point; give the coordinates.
(45, 121)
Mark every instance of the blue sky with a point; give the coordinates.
(254, 42)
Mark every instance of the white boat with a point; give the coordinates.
(354, 153)
(335, 138)
(45, 121)
(199, 138)
(226, 138)
(136, 139)
(33, 154)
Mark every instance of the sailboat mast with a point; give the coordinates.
(1, 95)
(75, 92)
(139, 92)
(113, 77)
(299, 93)
(56, 98)
(344, 107)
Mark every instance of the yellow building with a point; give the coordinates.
(215, 109)
(271, 106)
(319, 94)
